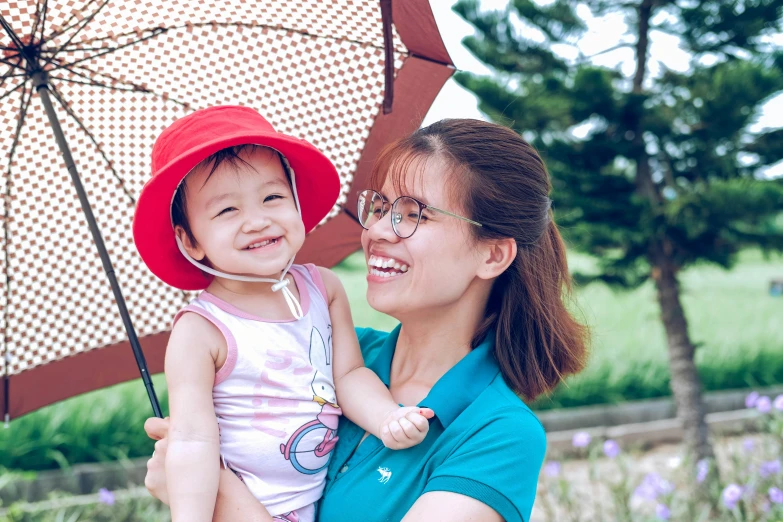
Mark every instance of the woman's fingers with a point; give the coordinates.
(155, 480)
(160, 448)
(157, 428)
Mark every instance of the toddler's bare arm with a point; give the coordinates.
(193, 457)
(360, 393)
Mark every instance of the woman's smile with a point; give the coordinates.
(381, 268)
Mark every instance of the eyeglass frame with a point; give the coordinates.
(422, 207)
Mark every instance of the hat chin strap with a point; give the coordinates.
(281, 284)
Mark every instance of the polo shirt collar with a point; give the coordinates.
(458, 388)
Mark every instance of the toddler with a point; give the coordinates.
(262, 363)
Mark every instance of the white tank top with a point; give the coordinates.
(274, 397)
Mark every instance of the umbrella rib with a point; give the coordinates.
(25, 103)
(37, 20)
(7, 76)
(11, 34)
(67, 27)
(8, 93)
(78, 30)
(43, 18)
(9, 63)
(133, 88)
(238, 24)
(98, 73)
(81, 124)
(96, 84)
(156, 32)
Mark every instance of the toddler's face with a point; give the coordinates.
(243, 217)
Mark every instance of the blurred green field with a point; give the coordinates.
(737, 324)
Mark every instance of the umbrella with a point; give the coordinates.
(109, 76)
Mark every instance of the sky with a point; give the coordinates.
(603, 33)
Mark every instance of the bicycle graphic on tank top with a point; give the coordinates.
(309, 447)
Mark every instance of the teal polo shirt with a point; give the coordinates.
(483, 442)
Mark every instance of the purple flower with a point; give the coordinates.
(652, 486)
(767, 469)
(552, 468)
(611, 449)
(747, 445)
(776, 495)
(702, 469)
(581, 439)
(764, 404)
(105, 497)
(663, 512)
(731, 495)
(750, 400)
(779, 402)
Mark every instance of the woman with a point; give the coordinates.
(462, 250)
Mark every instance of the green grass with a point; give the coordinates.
(98, 426)
(737, 324)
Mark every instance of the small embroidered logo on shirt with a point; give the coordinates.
(385, 475)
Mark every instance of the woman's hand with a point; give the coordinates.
(235, 503)
(155, 480)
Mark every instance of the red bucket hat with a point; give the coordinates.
(191, 140)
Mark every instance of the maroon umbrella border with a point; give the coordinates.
(416, 85)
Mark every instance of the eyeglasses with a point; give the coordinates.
(405, 212)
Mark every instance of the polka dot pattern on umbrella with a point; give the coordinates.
(314, 69)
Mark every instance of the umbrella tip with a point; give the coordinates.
(7, 420)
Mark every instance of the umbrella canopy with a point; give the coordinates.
(117, 73)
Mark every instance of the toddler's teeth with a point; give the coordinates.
(404, 268)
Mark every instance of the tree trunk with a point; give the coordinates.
(685, 382)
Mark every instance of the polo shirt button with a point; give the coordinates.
(344, 469)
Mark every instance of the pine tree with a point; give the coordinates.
(668, 174)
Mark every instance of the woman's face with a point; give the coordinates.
(432, 269)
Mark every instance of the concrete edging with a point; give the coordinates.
(646, 434)
(632, 424)
(635, 412)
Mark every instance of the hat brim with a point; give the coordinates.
(317, 185)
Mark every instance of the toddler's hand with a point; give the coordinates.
(405, 427)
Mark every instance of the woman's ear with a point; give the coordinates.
(191, 247)
(498, 254)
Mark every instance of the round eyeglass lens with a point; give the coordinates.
(370, 209)
(406, 214)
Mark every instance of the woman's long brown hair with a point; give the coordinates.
(501, 182)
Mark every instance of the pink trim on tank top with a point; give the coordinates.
(318, 281)
(304, 295)
(231, 343)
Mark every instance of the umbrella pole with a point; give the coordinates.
(42, 87)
